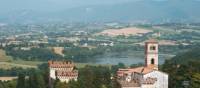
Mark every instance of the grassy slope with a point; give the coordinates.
(4, 57)
(7, 62)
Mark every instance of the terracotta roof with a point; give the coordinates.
(67, 73)
(142, 70)
(61, 64)
(148, 69)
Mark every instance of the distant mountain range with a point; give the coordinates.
(136, 11)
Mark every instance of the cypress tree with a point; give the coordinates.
(21, 81)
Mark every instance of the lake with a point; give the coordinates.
(128, 58)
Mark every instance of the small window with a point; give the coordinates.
(152, 48)
(152, 61)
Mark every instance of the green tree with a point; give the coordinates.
(61, 85)
(40, 81)
(2, 85)
(74, 84)
(36, 80)
(86, 77)
(114, 68)
(195, 83)
(115, 84)
(11, 84)
(21, 81)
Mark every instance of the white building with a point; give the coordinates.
(147, 76)
(62, 70)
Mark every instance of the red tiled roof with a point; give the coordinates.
(67, 73)
(61, 64)
(142, 70)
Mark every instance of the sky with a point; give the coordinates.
(10, 9)
(51, 5)
(54, 5)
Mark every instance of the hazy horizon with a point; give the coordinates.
(99, 10)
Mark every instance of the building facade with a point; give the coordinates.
(62, 70)
(147, 76)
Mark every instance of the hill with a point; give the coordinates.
(184, 58)
(131, 11)
(184, 67)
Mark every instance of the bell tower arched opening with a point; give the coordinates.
(152, 61)
(152, 48)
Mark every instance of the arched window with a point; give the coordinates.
(152, 61)
(152, 48)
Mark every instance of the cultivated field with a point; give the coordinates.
(125, 31)
(9, 65)
(58, 50)
(4, 57)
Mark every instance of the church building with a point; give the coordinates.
(147, 76)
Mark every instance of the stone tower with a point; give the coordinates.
(151, 53)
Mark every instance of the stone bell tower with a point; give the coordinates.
(151, 53)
